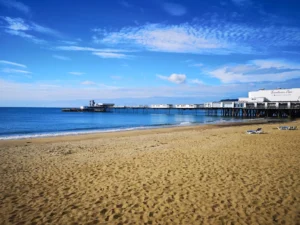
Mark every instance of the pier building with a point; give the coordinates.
(277, 95)
(93, 107)
(188, 106)
(162, 106)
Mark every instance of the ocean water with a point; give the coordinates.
(18, 123)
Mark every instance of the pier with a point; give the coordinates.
(228, 109)
(278, 103)
(241, 111)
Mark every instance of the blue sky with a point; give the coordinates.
(63, 53)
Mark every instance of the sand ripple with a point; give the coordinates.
(185, 176)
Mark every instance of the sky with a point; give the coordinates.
(135, 52)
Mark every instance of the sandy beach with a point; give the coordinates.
(187, 175)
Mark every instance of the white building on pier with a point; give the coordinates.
(187, 106)
(161, 106)
(277, 98)
(277, 95)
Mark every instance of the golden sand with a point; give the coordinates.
(192, 175)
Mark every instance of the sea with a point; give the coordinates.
(20, 123)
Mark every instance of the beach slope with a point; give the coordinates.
(189, 175)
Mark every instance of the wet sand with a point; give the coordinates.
(188, 175)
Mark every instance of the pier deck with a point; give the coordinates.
(245, 111)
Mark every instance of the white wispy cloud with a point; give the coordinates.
(61, 57)
(174, 78)
(16, 71)
(197, 81)
(214, 37)
(78, 48)
(76, 73)
(16, 24)
(111, 55)
(174, 9)
(26, 36)
(88, 82)
(69, 42)
(9, 70)
(49, 91)
(275, 63)
(12, 63)
(196, 65)
(257, 71)
(88, 49)
(155, 37)
(45, 30)
(16, 5)
(103, 53)
(21, 28)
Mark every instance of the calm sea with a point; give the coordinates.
(17, 123)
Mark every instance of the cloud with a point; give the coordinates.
(16, 24)
(69, 42)
(15, 4)
(12, 63)
(26, 36)
(154, 37)
(196, 81)
(212, 37)
(76, 73)
(89, 49)
(45, 30)
(242, 2)
(88, 82)
(61, 57)
(78, 48)
(174, 9)
(257, 71)
(125, 4)
(196, 65)
(110, 55)
(174, 78)
(103, 53)
(18, 27)
(9, 70)
(45, 92)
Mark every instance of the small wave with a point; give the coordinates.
(74, 133)
(71, 133)
(185, 123)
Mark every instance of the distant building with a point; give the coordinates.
(107, 105)
(161, 106)
(276, 95)
(186, 105)
(92, 103)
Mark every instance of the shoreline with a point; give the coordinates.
(166, 129)
(113, 130)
